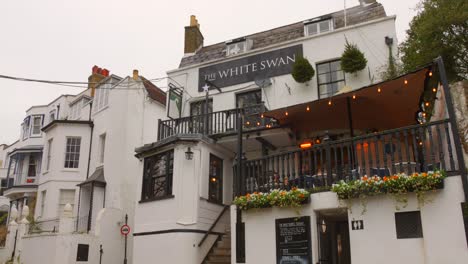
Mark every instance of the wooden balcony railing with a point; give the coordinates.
(216, 123)
(405, 150)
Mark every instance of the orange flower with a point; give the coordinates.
(294, 188)
(394, 177)
(301, 195)
(385, 178)
(283, 193)
(424, 174)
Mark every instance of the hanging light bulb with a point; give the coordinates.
(379, 90)
(258, 123)
(427, 104)
(247, 123)
(434, 90)
(286, 113)
(406, 81)
(430, 73)
(354, 96)
(308, 108)
(329, 102)
(261, 116)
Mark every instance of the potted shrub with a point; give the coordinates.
(302, 71)
(352, 59)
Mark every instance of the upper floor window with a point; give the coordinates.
(237, 46)
(215, 185)
(157, 176)
(72, 152)
(198, 107)
(330, 78)
(75, 110)
(26, 127)
(32, 166)
(101, 99)
(52, 115)
(49, 153)
(317, 26)
(36, 125)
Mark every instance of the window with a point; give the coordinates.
(330, 78)
(49, 153)
(43, 202)
(408, 225)
(237, 46)
(198, 107)
(66, 196)
(102, 98)
(26, 127)
(157, 176)
(215, 190)
(102, 147)
(32, 166)
(72, 152)
(52, 115)
(82, 252)
(315, 27)
(36, 126)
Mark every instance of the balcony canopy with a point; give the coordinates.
(386, 105)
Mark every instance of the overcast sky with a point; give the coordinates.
(62, 40)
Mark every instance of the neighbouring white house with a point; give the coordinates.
(238, 123)
(81, 150)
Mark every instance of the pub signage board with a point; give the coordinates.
(255, 67)
(293, 244)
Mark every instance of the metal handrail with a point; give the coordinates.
(213, 225)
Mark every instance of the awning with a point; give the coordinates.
(97, 178)
(26, 149)
(380, 106)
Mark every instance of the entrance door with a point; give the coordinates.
(333, 237)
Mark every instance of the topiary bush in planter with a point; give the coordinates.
(352, 59)
(302, 71)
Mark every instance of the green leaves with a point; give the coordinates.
(302, 70)
(293, 198)
(352, 59)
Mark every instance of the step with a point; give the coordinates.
(217, 262)
(221, 251)
(219, 258)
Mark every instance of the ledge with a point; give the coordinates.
(157, 199)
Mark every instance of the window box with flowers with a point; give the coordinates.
(398, 185)
(280, 198)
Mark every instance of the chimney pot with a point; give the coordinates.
(135, 75)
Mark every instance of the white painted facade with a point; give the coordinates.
(119, 117)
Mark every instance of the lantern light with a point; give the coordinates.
(247, 123)
(258, 123)
(213, 179)
(317, 141)
(189, 154)
(261, 116)
(306, 145)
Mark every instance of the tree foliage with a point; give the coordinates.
(352, 59)
(439, 29)
(302, 70)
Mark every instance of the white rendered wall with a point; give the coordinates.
(442, 223)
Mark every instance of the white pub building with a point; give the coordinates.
(239, 124)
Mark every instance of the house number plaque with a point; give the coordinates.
(293, 244)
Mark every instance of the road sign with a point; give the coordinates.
(125, 230)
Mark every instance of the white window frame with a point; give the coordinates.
(101, 99)
(76, 155)
(49, 153)
(32, 125)
(102, 147)
(52, 115)
(25, 125)
(317, 23)
(232, 44)
(61, 204)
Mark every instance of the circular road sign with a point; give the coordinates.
(125, 230)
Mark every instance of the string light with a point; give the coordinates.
(286, 113)
(424, 114)
(258, 123)
(406, 81)
(427, 104)
(308, 109)
(317, 141)
(329, 102)
(354, 96)
(430, 73)
(261, 116)
(434, 90)
(379, 90)
(247, 123)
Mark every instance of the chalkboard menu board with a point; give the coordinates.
(293, 244)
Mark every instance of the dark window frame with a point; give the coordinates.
(202, 103)
(219, 179)
(82, 253)
(148, 185)
(401, 217)
(329, 82)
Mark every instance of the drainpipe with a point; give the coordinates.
(453, 125)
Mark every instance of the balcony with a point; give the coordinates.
(218, 124)
(416, 148)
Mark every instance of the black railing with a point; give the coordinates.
(405, 150)
(217, 123)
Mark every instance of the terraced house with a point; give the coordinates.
(242, 122)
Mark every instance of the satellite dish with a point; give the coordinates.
(263, 82)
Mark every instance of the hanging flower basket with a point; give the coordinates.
(302, 71)
(352, 59)
(280, 198)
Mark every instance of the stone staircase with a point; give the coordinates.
(221, 252)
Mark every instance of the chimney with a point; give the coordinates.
(193, 36)
(97, 75)
(366, 2)
(135, 75)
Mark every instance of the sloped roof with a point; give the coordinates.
(153, 91)
(97, 177)
(354, 15)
